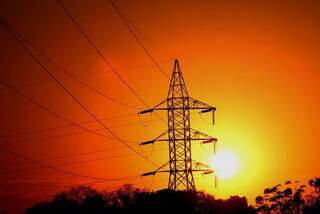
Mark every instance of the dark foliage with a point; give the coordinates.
(287, 198)
(291, 198)
(127, 199)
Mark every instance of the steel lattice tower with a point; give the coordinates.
(180, 135)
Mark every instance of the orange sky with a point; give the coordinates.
(256, 62)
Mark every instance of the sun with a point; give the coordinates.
(225, 163)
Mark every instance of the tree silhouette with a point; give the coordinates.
(128, 199)
(288, 198)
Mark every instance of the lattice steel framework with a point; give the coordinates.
(180, 135)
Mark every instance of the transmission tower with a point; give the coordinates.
(180, 135)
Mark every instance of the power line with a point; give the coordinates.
(3, 23)
(71, 134)
(123, 19)
(71, 163)
(87, 74)
(71, 95)
(99, 52)
(88, 184)
(35, 161)
(68, 134)
(102, 56)
(62, 126)
(70, 186)
(33, 140)
(57, 115)
(64, 156)
(71, 155)
(50, 111)
(104, 188)
(70, 74)
(48, 166)
(65, 164)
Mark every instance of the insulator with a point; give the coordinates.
(210, 140)
(215, 181)
(207, 141)
(147, 142)
(213, 118)
(206, 110)
(146, 111)
(208, 172)
(149, 173)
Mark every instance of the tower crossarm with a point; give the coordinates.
(196, 167)
(159, 138)
(193, 105)
(196, 104)
(160, 169)
(195, 135)
(161, 106)
(198, 135)
(205, 108)
(201, 167)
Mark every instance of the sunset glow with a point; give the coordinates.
(73, 107)
(225, 163)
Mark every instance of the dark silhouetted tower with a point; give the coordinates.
(179, 134)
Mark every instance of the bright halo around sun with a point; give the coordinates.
(225, 163)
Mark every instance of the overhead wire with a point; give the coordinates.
(40, 163)
(36, 83)
(112, 69)
(128, 178)
(12, 33)
(64, 164)
(98, 51)
(17, 134)
(89, 184)
(70, 186)
(86, 36)
(71, 163)
(62, 156)
(74, 77)
(35, 161)
(123, 19)
(49, 166)
(32, 140)
(48, 110)
(83, 84)
(62, 126)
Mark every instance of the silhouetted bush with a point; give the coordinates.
(291, 198)
(129, 199)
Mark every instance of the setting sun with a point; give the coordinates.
(226, 164)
